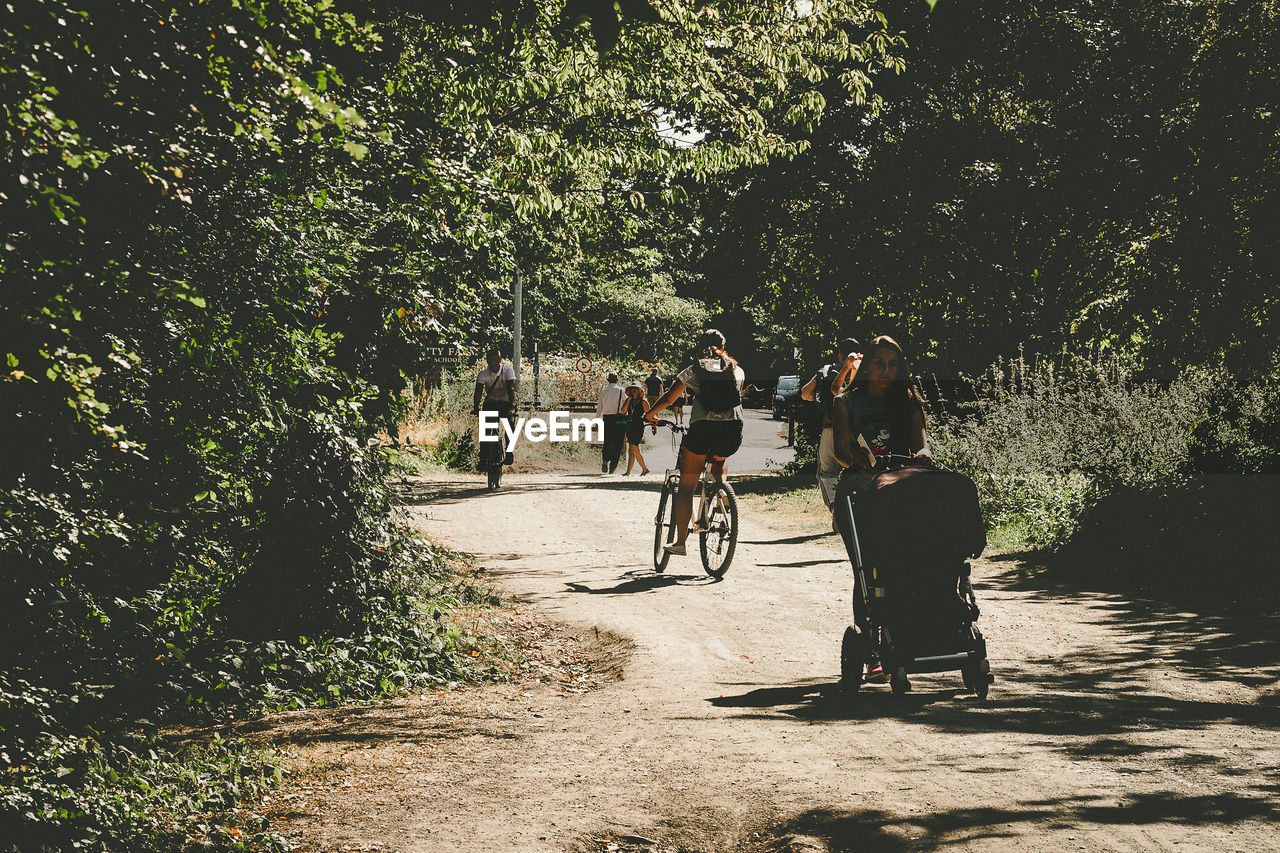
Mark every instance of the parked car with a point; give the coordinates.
(786, 397)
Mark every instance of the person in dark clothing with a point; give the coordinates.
(881, 414)
(677, 405)
(884, 410)
(635, 428)
(612, 409)
(823, 388)
(653, 388)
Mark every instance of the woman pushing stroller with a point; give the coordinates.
(912, 597)
(884, 409)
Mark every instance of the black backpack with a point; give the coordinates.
(826, 376)
(718, 389)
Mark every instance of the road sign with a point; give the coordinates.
(583, 365)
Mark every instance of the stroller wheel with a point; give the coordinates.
(977, 678)
(899, 683)
(852, 655)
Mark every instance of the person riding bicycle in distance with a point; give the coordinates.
(715, 422)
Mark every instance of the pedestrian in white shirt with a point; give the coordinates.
(495, 391)
(612, 409)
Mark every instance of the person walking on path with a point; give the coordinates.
(678, 404)
(636, 409)
(823, 388)
(612, 409)
(495, 391)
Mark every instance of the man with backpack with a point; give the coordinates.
(715, 422)
(822, 389)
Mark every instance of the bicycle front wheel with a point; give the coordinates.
(664, 523)
(720, 538)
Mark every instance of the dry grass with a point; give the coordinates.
(788, 503)
(424, 431)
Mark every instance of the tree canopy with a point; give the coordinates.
(1041, 175)
(231, 229)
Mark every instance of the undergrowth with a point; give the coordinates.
(1119, 478)
(86, 767)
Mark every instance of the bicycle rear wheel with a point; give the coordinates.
(664, 523)
(719, 540)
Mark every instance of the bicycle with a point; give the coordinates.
(716, 519)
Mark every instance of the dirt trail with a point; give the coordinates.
(1112, 725)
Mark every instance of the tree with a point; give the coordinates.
(1048, 176)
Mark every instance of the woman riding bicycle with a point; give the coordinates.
(715, 422)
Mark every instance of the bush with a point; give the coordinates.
(1209, 540)
(66, 791)
(1046, 444)
(808, 432)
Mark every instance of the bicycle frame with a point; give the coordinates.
(717, 537)
(672, 478)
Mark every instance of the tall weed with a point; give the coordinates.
(1044, 441)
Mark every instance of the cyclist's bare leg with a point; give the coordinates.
(691, 465)
(717, 468)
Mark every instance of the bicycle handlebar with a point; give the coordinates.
(672, 424)
(888, 460)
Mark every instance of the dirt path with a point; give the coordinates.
(1111, 726)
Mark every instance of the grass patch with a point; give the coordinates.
(786, 502)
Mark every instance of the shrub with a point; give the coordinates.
(1046, 444)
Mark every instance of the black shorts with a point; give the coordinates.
(713, 438)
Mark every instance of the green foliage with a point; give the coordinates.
(230, 226)
(1082, 174)
(639, 318)
(1047, 442)
(67, 791)
(808, 432)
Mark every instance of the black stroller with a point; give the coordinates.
(908, 538)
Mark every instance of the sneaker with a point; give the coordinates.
(876, 674)
(676, 549)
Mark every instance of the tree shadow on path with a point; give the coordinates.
(861, 831)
